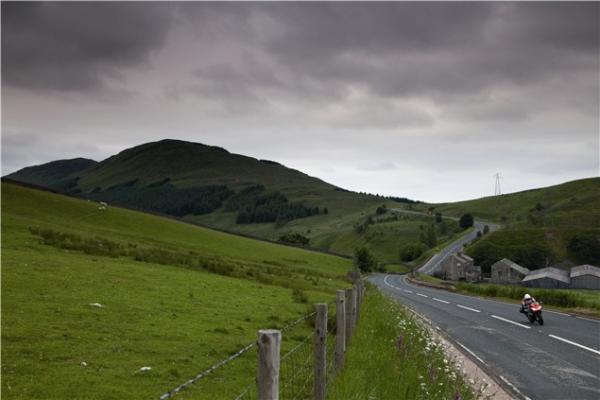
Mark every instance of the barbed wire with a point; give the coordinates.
(207, 371)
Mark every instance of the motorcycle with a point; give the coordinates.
(534, 312)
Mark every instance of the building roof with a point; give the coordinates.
(464, 256)
(513, 265)
(550, 272)
(585, 269)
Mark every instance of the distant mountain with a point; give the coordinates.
(57, 175)
(190, 179)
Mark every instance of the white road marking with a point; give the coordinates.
(511, 322)
(389, 284)
(422, 295)
(559, 313)
(575, 344)
(442, 301)
(589, 319)
(514, 387)
(471, 353)
(408, 291)
(467, 308)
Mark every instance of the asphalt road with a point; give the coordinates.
(560, 360)
(434, 262)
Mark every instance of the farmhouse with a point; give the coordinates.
(460, 266)
(585, 277)
(506, 271)
(547, 278)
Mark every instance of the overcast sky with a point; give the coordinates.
(423, 100)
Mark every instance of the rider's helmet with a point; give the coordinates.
(527, 296)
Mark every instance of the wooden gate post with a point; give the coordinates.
(267, 380)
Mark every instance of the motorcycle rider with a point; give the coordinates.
(526, 302)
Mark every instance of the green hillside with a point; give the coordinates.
(57, 175)
(175, 297)
(207, 185)
(557, 224)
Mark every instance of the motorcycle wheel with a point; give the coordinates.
(540, 319)
(531, 318)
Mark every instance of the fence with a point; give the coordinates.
(310, 361)
(305, 370)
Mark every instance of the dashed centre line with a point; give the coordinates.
(408, 291)
(441, 301)
(422, 295)
(511, 322)
(467, 308)
(575, 344)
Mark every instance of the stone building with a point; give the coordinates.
(585, 277)
(459, 266)
(547, 278)
(506, 271)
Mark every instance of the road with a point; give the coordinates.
(560, 360)
(434, 262)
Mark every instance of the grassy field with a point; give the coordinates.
(391, 356)
(172, 315)
(575, 203)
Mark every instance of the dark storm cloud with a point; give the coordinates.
(407, 88)
(76, 46)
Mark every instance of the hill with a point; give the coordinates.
(552, 225)
(90, 295)
(210, 186)
(56, 175)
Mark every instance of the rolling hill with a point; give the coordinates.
(210, 186)
(546, 226)
(92, 294)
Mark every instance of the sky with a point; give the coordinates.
(421, 100)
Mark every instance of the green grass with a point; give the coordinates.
(391, 356)
(566, 298)
(428, 278)
(538, 223)
(176, 318)
(575, 203)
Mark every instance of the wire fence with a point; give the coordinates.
(297, 362)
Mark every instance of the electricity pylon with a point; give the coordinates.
(497, 190)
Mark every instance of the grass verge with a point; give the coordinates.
(585, 301)
(577, 301)
(392, 356)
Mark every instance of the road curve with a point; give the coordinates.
(560, 360)
(434, 262)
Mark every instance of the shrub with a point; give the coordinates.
(294, 238)
(364, 260)
(584, 247)
(299, 296)
(466, 221)
(381, 210)
(412, 251)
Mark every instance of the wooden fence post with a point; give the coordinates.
(350, 309)
(267, 380)
(358, 298)
(354, 307)
(340, 333)
(320, 339)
